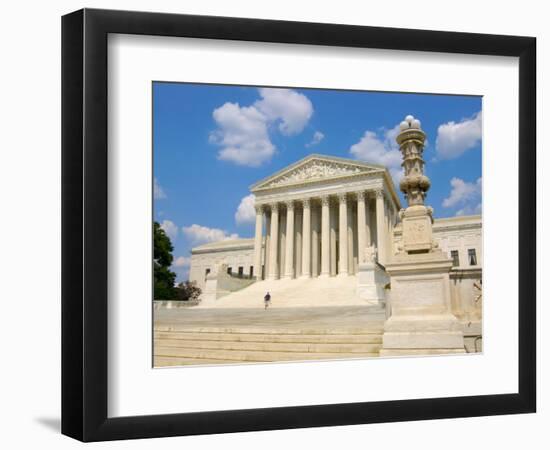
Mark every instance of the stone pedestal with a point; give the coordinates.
(421, 320)
(417, 229)
(371, 283)
(209, 293)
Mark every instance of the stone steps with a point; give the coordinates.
(251, 355)
(285, 293)
(367, 329)
(287, 347)
(227, 346)
(366, 338)
(168, 361)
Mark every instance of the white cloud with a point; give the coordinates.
(380, 148)
(454, 138)
(158, 192)
(200, 234)
(245, 212)
(170, 228)
(317, 137)
(243, 131)
(465, 195)
(290, 108)
(242, 134)
(182, 261)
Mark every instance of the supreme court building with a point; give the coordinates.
(321, 217)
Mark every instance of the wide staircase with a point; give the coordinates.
(243, 335)
(309, 319)
(285, 293)
(244, 345)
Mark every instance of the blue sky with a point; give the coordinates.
(211, 142)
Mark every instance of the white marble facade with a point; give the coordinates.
(300, 212)
(460, 234)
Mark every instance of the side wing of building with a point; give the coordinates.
(237, 254)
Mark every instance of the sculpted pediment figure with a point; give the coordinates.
(315, 168)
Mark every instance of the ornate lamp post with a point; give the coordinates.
(417, 218)
(421, 319)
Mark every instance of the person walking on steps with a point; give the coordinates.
(267, 300)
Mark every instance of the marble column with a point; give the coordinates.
(361, 227)
(267, 245)
(298, 225)
(325, 236)
(314, 242)
(386, 230)
(333, 230)
(343, 235)
(258, 243)
(289, 257)
(380, 226)
(391, 222)
(351, 237)
(274, 238)
(306, 239)
(368, 222)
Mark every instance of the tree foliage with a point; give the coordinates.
(188, 291)
(164, 278)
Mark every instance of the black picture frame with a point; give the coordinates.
(84, 224)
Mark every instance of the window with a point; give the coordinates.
(454, 256)
(229, 270)
(240, 271)
(251, 271)
(472, 257)
(206, 272)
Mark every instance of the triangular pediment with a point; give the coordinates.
(315, 168)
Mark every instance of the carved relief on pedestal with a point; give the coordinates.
(417, 233)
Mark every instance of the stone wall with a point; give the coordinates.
(220, 283)
(208, 257)
(170, 304)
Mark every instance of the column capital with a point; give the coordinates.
(290, 205)
(259, 209)
(360, 195)
(274, 206)
(379, 193)
(342, 197)
(306, 202)
(325, 200)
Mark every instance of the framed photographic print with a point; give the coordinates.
(273, 224)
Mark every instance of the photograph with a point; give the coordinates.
(267, 225)
(296, 224)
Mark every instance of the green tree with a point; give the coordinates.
(164, 278)
(188, 291)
